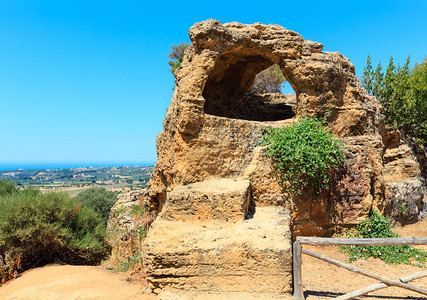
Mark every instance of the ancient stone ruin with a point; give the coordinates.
(224, 222)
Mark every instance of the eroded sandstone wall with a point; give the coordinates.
(204, 137)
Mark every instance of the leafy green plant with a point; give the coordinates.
(403, 209)
(402, 92)
(120, 210)
(136, 210)
(7, 188)
(378, 226)
(305, 154)
(176, 56)
(98, 199)
(270, 80)
(37, 229)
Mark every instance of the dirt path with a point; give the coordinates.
(320, 279)
(70, 282)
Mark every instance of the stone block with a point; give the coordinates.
(217, 199)
(253, 255)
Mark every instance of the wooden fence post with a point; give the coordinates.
(297, 261)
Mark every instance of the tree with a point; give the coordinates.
(7, 188)
(98, 199)
(176, 56)
(270, 80)
(403, 95)
(367, 80)
(389, 78)
(377, 80)
(417, 100)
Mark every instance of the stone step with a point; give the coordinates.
(218, 199)
(252, 256)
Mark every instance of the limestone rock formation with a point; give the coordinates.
(204, 136)
(252, 255)
(207, 240)
(212, 131)
(223, 199)
(404, 179)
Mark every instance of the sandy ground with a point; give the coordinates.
(320, 279)
(70, 282)
(324, 281)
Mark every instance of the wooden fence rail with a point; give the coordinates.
(385, 282)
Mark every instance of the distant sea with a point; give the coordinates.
(59, 165)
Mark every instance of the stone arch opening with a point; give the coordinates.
(227, 91)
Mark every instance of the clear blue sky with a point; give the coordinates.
(87, 83)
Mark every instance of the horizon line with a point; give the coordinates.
(70, 165)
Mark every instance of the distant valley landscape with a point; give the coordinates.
(75, 180)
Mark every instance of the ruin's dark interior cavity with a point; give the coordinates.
(227, 93)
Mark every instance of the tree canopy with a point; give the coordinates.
(98, 199)
(176, 56)
(402, 92)
(270, 80)
(7, 188)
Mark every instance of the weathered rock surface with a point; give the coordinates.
(221, 199)
(121, 219)
(213, 129)
(251, 255)
(405, 185)
(265, 186)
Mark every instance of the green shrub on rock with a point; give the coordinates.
(304, 154)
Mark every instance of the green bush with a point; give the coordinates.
(98, 199)
(402, 92)
(37, 229)
(7, 188)
(377, 226)
(304, 154)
